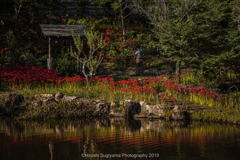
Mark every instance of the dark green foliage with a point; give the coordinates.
(205, 39)
(66, 65)
(80, 8)
(216, 39)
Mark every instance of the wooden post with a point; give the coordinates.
(50, 59)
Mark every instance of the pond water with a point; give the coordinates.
(118, 139)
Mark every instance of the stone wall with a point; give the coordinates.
(15, 103)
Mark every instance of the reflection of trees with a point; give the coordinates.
(202, 151)
(51, 149)
(88, 147)
(132, 125)
(13, 127)
(77, 137)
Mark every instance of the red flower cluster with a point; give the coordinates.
(201, 90)
(27, 74)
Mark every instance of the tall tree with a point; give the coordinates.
(218, 37)
(171, 26)
(16, 53)
(202, 33)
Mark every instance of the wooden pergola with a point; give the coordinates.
(61, 32)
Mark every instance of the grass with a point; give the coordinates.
(210, 113)
(216, 116)
(105, 90)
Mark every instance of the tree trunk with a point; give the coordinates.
(15, 56)
(50, 60)
(51, 148)
(178, 70)
(79, 66)
(17, 12)
(88, 81)
(123, 28)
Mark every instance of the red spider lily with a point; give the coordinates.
(169, 96)
(100, 89)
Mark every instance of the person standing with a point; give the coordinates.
(139, 61)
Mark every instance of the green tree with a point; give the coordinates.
(171, 26)
(89, 61)
(17, 53)
(52, 7)
(81, 8)
(196, 34)
(215, 40)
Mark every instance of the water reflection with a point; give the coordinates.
(102, 137)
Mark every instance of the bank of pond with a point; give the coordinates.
(59, 106)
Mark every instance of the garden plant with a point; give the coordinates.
(208, 59)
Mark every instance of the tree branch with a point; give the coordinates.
(187, 12)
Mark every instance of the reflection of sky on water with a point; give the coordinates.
(68, 139)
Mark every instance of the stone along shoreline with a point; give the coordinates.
(45, 106)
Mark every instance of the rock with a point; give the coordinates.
(121, 102)
(69, 98)
(142, 107)
(102, 109)
(87, 101)
(58, 96)
(78, 102)
(116, 109)
(28, 98)
(116, 113)
(179, 115)
(142, 112)
(160, 110)
(176, 107)
(36, 103)
(131, 107)
(49, 102)
(12, 100)
(149, 109)
(2, 97)
(114, 104)
(43, 96)
(100, 101)
(20, 107)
